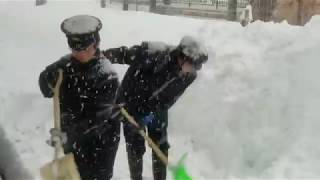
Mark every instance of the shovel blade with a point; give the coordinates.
(179, 172)
(63, 168)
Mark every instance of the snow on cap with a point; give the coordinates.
(81, 24)
(192, 48)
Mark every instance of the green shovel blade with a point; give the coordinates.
(179, 172)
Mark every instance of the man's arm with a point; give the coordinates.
(49, 76)
(106, 89)
(138, 55)
(123, 54)
(106, 95)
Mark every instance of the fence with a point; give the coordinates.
(217, 4)
(212, 3)
(203, 8)
(262, 9)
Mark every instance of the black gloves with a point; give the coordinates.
(57, 135)
(47, 80)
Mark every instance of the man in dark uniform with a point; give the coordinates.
(157, 76)
(87, 95)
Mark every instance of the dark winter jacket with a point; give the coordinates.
(152, 81)
(87, 91)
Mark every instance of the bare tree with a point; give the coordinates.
(167, 2)
(125, 5)
(232, 10)
(263, 10)
(103, 3)
(153, 5)
(40, 2)
(299, 14)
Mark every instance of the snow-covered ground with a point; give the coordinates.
(253, 113)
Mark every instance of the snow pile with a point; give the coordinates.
(252, 113)
(254, 107)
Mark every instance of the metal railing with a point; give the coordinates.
(262, 9)
(216, 3)
(203, 8)
(213, 3)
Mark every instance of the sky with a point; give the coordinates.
(252, 113)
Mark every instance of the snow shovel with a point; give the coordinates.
(63, 167)
(178, 171)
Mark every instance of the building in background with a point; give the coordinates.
(262, 9)
(295, 12)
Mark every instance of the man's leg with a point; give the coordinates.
(81, 151)
(158, 167)
(135, 146)
(157, 131)
(106, 157)
(95, 154)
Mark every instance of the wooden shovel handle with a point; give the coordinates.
(56, 101)
(56, 111)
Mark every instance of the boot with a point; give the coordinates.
(158, 167)
(135, 166)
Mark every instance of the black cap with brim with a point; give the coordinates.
(81, 31)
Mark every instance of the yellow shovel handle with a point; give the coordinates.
(56, 101)
(56, 111)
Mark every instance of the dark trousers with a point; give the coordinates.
(95, 153)
(135, 144)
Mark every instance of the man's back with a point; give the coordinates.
(152, 81)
